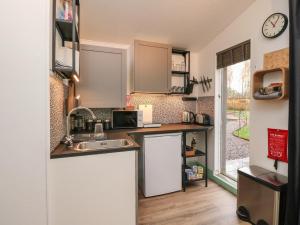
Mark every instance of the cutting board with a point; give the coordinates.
(147, 113)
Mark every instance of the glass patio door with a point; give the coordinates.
(234, 130)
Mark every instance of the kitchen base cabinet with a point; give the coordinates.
(93, 190)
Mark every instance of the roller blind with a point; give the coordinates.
(235, 54)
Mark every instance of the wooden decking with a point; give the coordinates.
(197, 206)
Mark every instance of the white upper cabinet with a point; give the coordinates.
(103, 76)
(152, 67)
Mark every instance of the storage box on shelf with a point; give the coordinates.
(195, 153)
(191, 175)
(194, 172)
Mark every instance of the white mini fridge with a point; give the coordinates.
(161, 164)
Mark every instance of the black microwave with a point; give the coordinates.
(122, 119)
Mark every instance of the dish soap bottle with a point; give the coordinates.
(193, 144)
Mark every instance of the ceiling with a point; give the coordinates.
(183, 23)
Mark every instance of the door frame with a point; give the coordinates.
(218, 121)
(221, 118)
(221, 121)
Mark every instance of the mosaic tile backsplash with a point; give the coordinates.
(207, 105)
(58, 94)
(166, 109)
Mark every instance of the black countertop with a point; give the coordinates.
(62, 151)
(169, 128)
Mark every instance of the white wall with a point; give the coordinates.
(24, 60)
(263, 114)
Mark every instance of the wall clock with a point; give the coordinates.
(275, 25)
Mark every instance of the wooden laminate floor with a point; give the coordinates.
(197, 206)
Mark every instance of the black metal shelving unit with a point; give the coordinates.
(179, 72)
(184, 74)
(64, 28)
(69, 32)
(199, 153)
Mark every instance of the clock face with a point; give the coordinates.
(275, 25)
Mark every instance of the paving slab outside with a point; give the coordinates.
(237, 149)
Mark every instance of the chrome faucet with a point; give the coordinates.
(69, 139)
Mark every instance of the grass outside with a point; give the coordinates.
(239, 114)
(243, 133)
(238, 104)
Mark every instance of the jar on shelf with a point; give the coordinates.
(80, 123)
(89, 124)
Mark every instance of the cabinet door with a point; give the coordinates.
(152, 67)
(163, 164)
(103, 77)
(93, 190)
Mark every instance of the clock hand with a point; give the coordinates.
(272, 23)
(276, 20)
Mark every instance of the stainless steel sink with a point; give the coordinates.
(102, 145)
(88, 137)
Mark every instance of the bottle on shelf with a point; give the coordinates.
(193, 144)
(191, 151)
(68, 15)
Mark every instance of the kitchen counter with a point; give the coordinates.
(170, 128)
(63, 151)
(165, 128)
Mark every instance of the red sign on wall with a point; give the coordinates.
(277, 144)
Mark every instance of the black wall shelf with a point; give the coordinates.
(64, 28)
(184, 74)
(180, 51)
(179, 72)
(68, 31)
(65, 73)
(189, 99)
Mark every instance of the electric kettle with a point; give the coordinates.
(188, 117)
